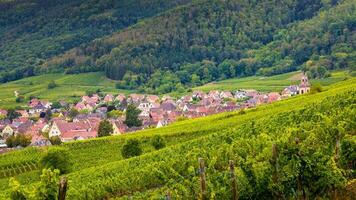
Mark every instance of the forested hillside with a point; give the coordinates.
(186, 44)
(32, 31)
(210, 40)
(299, 148)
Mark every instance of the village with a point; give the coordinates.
(44, 120)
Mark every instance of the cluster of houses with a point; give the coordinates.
(155, 111)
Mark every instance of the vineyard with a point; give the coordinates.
(299, 146)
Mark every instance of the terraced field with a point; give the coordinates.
(99, 171)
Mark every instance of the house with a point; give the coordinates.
(198, 95)
(274, 96)
(69, 131)
(239, 94)
(168, 106)
(290, 91)
(152, 98)
(145, 106)
(7, 131)
(37, 109)
(226, 95)
(304, 86)
(167, 98)
(84, 106)
(136, 98)
(186, 98)
(120, 98)
(118, 127)
(251, 93)
(108, 98)
(3, 112)
(214, 94)
(23, 113)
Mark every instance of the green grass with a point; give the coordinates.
(69, 87)
(268, 84)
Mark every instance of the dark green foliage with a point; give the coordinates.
(19, 99)
(73, 113)
(51, 85)
(12, 114)
(158, 142)
(18, 140)
(210, 40)
(55, 140)
(316, 89)
(57, 158)
(33, 31)
(131, 148)
(56, 105)
(47, 189)
(105, 128)
(132, 116)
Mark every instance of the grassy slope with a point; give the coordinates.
(102, 151)
(69, 86)
(273, 83)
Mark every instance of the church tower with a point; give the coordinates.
(304, 86)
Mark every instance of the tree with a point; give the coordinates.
(132, 116)
(73, 113)
(131, 148)
(158, 142)
(114, 114)
(56, 105)
(57, 158)
(51, 84)
(18, 140)
(105, 128)
(55, 140)
(12, 114)
(19, 99)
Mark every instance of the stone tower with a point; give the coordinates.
(304, 86)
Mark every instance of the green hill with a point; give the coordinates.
(306, 131)
(157, 46)
(33, 31)
(212, 40)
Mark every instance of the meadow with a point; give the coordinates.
(269, 84)
(69, 87)
(99, 170)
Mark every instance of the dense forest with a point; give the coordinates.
(200, 41)
(33, 31)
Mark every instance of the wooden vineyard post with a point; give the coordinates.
(168, 196)
(233, 181)
(202, 179)
(62, 188)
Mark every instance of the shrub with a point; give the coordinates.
(23, 140)
(316, 89)
(55, 140)
(131, 148)
(158, 142)
(56, 158)
(18, 140)
(51, 85)
(10, 141)
(19, 99)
